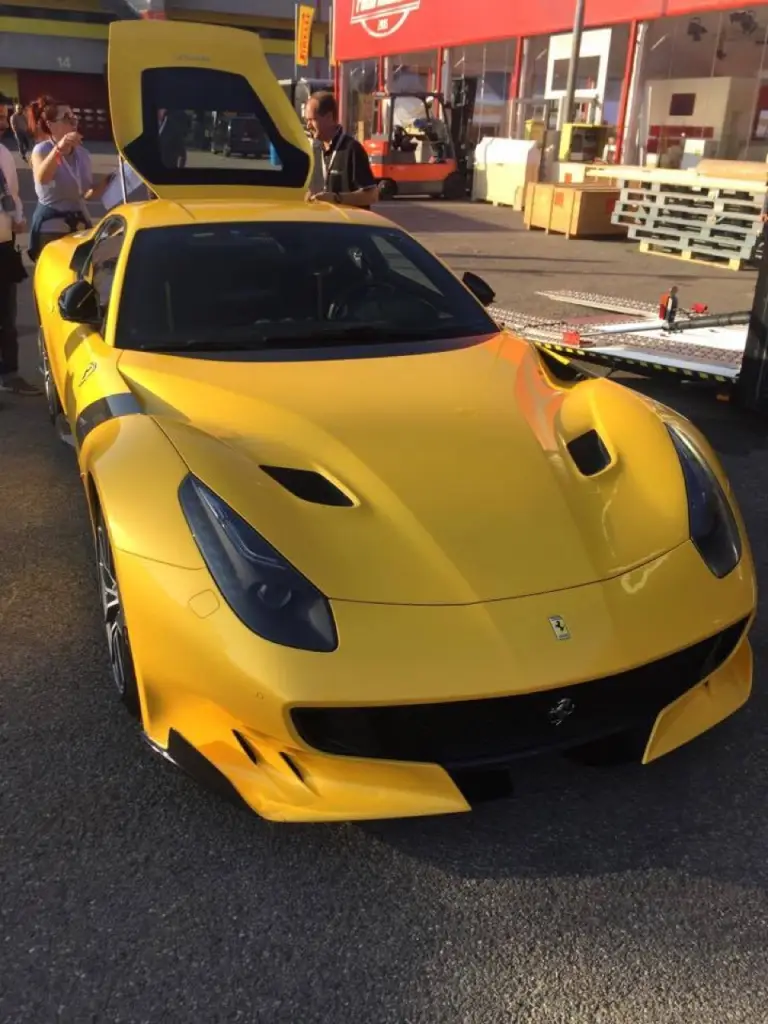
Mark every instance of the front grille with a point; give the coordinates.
(497, 730)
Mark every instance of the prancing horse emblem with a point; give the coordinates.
(90, 368)
(559, 712)
(559, 627)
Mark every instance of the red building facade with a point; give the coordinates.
(656, 52)
(380, 28)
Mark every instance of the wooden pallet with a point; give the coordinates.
(714, 222)
(712, 201)
(688, 216)
(715, 245)
(678, 226)
(736, 195)
(667, 178)
(709, 259)
(675, 227)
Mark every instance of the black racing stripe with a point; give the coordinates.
(104, 410)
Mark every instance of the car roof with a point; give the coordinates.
(156, 213)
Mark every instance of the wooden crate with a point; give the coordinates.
(576, 211)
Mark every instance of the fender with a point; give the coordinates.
(57, 267)
(133, 471)
(60, 261)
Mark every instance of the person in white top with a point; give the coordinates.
(11, 224)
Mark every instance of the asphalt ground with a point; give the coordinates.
(130, 894)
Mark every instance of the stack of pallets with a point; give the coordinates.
(690, 215)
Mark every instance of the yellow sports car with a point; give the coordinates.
(360, 550)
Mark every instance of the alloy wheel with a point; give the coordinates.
(51, 397)
(112, 613)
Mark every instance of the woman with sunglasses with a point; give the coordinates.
(61, 167)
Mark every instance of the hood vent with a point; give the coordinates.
(589, 453)
(309, 486)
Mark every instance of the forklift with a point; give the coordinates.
(412, 151)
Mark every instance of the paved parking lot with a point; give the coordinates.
(625, 896)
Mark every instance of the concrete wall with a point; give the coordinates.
(81, 56)
(52, 53)
(254, 8)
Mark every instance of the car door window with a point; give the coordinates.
(103, 260)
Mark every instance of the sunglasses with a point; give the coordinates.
(68, 118)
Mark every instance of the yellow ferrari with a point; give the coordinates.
(360, 550)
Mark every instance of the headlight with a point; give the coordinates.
(712, 523)
(260, 586)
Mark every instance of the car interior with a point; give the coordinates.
(245, 277)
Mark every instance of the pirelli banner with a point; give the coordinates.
(305, 17)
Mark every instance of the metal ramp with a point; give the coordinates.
(629, 336)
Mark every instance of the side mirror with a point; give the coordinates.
(79, 304)
(479, 288)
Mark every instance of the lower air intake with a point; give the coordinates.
(498, 730)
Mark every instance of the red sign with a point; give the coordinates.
(376, 28)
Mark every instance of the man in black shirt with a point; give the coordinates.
(347, 176)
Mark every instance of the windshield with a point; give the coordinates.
(262, 285)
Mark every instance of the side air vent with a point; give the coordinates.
(309, 486)
(589, 453)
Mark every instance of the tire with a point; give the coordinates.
(454, 187)
(113, 616)
(387, 189)
(49, 385)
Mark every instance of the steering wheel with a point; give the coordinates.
(340, 307)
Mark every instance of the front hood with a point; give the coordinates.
(462, 487)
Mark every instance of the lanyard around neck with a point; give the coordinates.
(330, 164)
(72, 169)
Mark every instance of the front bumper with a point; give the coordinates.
(495, 732)
(415, 693)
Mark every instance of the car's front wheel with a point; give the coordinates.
(49, 385)
(113, 616)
